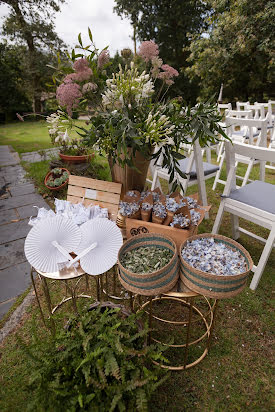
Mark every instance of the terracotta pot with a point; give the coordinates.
(59, 187)
(75, 159)
(129, 177)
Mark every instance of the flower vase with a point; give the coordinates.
(131, 179)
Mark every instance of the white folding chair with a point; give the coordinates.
(241, 133)
(196, 172)
(241, 105)
(258, 139)
(254, 202)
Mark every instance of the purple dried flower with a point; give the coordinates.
(103, 59)
(81, 65)
(20, 117)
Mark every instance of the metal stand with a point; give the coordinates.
(195, 314)
(70, 288)
(111, 286)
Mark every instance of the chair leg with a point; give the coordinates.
(248, 171)
(154, 182)
(218, 219)
(235, 227)
(217, 177)
(263, 259)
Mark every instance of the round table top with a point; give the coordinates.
(180, 290)
(64, 274)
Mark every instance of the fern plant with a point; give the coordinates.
(99, 364)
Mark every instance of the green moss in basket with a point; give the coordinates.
(146, 259)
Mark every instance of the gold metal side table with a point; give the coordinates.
(71, 290)
(199, 310)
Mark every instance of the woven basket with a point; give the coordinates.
(215, 286)
(154, 283)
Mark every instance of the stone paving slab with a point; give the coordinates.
(6, 216)
(8, 157)
(19, 201)
(12, 253)
(5, 306)
(33, 157)
(22, 190)
(14, 231)
(29, 210)
(14, 281)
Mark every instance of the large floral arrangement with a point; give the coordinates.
(129, 112)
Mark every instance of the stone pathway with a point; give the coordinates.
(17, 198)
(32, 157)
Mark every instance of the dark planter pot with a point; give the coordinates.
(130, 178)
(59, 187)
(75, 159)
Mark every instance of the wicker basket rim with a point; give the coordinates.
(175, 255)
(221, 237)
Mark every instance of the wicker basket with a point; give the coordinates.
(154, 283)
(215, 286)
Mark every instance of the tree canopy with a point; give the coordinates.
(31, 23)
(237, 50)
(170, 23)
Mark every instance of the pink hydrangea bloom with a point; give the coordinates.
(170, 70)
(103, 58)
(89, 87)
(68, 95)
(69, 78)
(148, 50)
(81, 65)
(168, 73)
(83, 75)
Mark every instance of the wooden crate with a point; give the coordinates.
(135, 227)
(95, 192)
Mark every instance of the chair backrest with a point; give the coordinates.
(95, 192)
(267, 107)
(251, 124)
(224, 106)
(246, 114)
(258, 110)
(255, 152)
(241, 105)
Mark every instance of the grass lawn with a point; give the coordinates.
(236, 375)
(27, 136)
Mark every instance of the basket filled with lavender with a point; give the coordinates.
(214, 265)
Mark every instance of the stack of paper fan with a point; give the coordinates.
(39, 250)
(108, 237)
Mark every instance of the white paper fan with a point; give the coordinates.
(109, 240)
(39, 250)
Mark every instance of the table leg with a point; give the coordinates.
(49, 304)
(212, 326)
(188, 331)
(37, 298)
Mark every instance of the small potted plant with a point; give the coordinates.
(57, 178)
(72, 150)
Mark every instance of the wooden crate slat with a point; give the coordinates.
(100, 196)
(112, 209)
(89, 183)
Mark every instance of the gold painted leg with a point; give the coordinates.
(49, 304)
(37, 298)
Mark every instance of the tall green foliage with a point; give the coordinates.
(13, 95)
(99, 364)
(31, 24)
(170, 23)
(237, 50)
